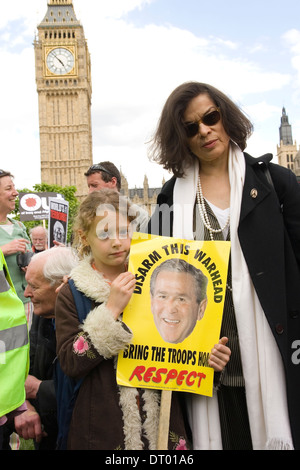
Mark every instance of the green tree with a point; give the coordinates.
(68, 192)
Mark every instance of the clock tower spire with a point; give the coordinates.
(63, 78)
(287, 150)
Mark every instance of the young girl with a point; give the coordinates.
(107, 416)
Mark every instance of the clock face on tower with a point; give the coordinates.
(60, 61)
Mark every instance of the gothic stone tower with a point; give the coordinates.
(63, 77)
(287, 150)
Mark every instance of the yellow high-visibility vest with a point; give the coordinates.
(14, 344)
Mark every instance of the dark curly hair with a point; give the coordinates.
(170, 147)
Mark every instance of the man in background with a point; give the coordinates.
(106, 175)
(44, 275)
(103, 175)
(39, 239)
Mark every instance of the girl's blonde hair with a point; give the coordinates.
(88, 211)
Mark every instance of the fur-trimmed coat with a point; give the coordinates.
(106, 416)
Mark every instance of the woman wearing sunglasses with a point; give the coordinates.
(219, 192)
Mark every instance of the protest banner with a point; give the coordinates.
(58, 221)
(175, 316)
(35, 206)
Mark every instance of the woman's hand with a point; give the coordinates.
(15, 246)
(220, 355)
(120, 293)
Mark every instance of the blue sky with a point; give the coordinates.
(219, 17)
(140, 51)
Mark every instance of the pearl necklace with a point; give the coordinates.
(204, 215)
(205, 219)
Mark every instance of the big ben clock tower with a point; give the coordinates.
(63, 77)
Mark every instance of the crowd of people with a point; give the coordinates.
(70, 299)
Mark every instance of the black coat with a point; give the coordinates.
(269, 234)
(42, 356)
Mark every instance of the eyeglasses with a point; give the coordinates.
(100, 168)
(210, 119)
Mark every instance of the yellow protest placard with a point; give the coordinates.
(175, 313)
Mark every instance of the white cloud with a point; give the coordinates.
(292, 41)
(118, 8)
(292, 38)
(224, 43)
(257, 48)
(161, 58)
(266, 120)
(261, 112)
(33, 11)
(259, 144)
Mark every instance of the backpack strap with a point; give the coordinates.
(83, 303)
(264, 166)
(265, 169)
(67, 388)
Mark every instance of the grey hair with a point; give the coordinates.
(39, 227)
(181, 266)
(58, 262)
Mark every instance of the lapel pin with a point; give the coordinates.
(253, 193)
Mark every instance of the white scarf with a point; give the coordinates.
(262, 364)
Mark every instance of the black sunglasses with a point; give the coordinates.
(100, 168)
(210, 119)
